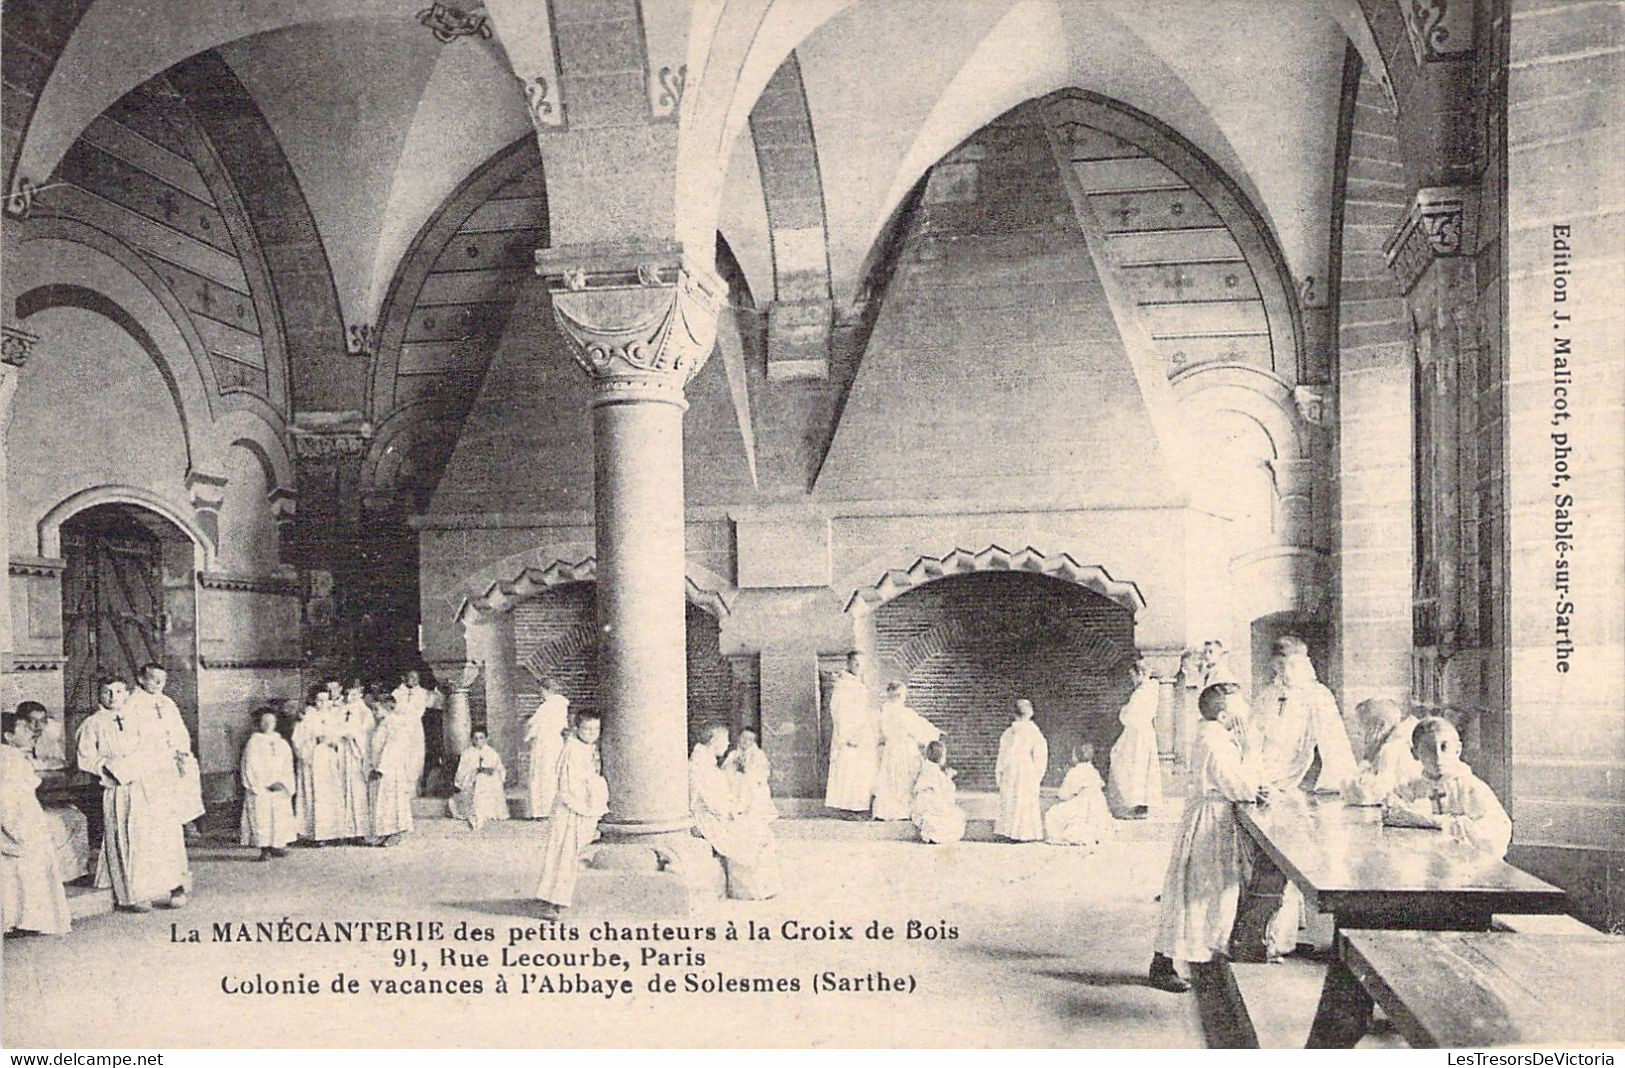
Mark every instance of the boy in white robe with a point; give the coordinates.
(1135, 773)
(318, 742)
(1293, 721)
(1080, 816)
(143, 854)
(411, 702)
(1019, 772)
(1447, 796)
(544, 736)
(745, 844)
(352, 723)
(935, 811)
(480, 794)
(268, 783)
(1203, 884)
(854, 744)
(388, 783)
(31, 896)
(149, 699)
(749, 775)
(579, 802)
(1388, 760)
(902, 732)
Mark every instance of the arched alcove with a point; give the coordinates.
(128, 597)
(555, 635)
(969, 645)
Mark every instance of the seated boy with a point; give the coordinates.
(1447, 796)
(1203, 885)
(1386, 761)
(935, 812)
(31, 896)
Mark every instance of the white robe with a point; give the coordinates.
(267, 821)
(353, 724)
(745, 843)
(480, 792)
(854, 754)
(388, 788)
(935, 812)
(186, 791)
(749, 774)
(71, 833)
(1460, 804)
(1080, 817)
(31, 896)
(544, 734)
(49, 751)
(410, 704)
(1286, 727)
(1135, 774)
(1209, 863)
(143, 854)
(579, 802)
(902, 731)
(1392, 765)
(1023, 759)
(322, 803)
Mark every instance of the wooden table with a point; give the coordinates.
(1367, 875)
(1477, 989)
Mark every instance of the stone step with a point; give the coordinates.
(978, 805)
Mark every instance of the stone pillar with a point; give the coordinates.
(14, 350)
(459, 726)
(641, 322)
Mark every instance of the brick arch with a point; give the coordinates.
(970, 644)
(702, 587)
(555, 632)
(866, 597)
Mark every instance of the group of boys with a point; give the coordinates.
(1412, 767)
(139, 750)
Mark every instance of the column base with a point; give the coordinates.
(667, 874)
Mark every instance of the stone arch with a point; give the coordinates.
(511, 164)
(50, 525)
(1252, 392)
(190, 382)
(866, 596)
(970, 644)
(249, 429)
(702, 587)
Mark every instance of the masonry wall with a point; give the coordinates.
(1567, 733)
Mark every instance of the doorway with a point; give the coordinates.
(128, 597)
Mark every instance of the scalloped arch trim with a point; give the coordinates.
(995, 558)
(703, 588)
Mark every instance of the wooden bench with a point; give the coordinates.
(1466, 990)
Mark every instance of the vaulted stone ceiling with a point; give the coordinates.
(803, 127)
(380, 119)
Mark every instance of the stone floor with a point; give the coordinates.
(1052, 946)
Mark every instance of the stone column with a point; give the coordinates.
(14, 351)
(641, 322)
(459, 725)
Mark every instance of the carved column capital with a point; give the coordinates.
(329, 436)
(16, 344)
(640, 321)
(1442, 222)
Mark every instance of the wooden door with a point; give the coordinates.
(112, 609)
